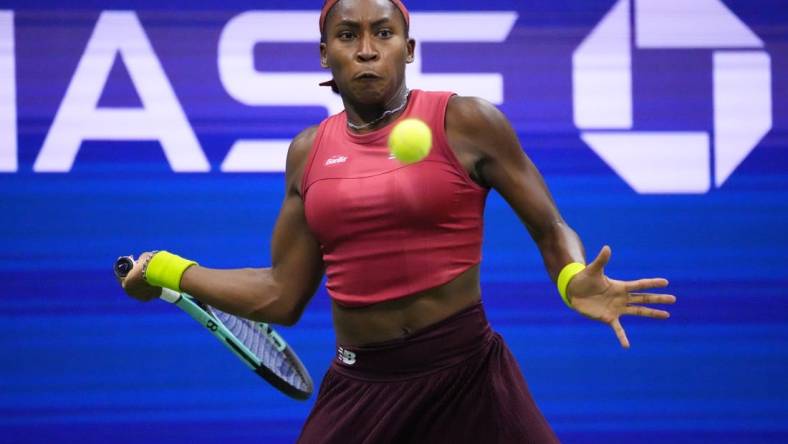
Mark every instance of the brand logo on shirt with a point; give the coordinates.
(346, 357)
(333, 160)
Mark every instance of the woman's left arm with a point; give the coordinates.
(486, 144)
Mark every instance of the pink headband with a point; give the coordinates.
(330, 3)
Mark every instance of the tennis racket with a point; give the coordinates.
(257, 344)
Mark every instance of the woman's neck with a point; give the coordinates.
(363, 118)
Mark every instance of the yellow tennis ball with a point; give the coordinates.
(410, 140)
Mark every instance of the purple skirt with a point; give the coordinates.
(452, 382)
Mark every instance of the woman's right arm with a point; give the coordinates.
(277, 294)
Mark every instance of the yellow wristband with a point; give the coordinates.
(166, 269)
(567, 273)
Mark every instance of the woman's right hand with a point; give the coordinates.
(135, 286)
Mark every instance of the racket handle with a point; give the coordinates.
(123, 265)
(170, 296)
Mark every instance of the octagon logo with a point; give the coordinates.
(672, 161)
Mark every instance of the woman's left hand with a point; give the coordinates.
(598, 297)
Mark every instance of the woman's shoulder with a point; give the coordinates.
(473, 113)
(302, 145)
(298, 155)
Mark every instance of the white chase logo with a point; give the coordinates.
(346, 356)
(672, 161)
(333, 160)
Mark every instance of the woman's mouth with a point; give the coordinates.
(366, 75)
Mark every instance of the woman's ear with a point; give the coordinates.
(323, 57)
(411, 47)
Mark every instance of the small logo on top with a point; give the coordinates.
(333, 160)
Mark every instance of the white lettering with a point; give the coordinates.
(8, 141)
(119, 33)
(257, 156)
(254, 88)
(333, 160)
(492, 27)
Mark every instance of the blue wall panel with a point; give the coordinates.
(83, 363)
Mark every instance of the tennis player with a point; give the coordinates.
(400, 244)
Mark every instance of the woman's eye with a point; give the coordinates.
(346, 35)
(385, 33)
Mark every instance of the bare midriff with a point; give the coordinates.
(401, 317)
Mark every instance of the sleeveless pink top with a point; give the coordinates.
(389, 230)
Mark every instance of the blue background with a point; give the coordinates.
(83, 363)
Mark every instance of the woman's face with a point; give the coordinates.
(366, 48)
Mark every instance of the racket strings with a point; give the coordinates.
(252, 336)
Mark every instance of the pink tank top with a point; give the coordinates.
(389, 230)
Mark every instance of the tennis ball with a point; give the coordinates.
(410, 140)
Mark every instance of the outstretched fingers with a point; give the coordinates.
(598, 264)
(643, 284)
(620, 333)
(651, 298)
(638, 310)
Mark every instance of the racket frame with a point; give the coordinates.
(202, 314)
